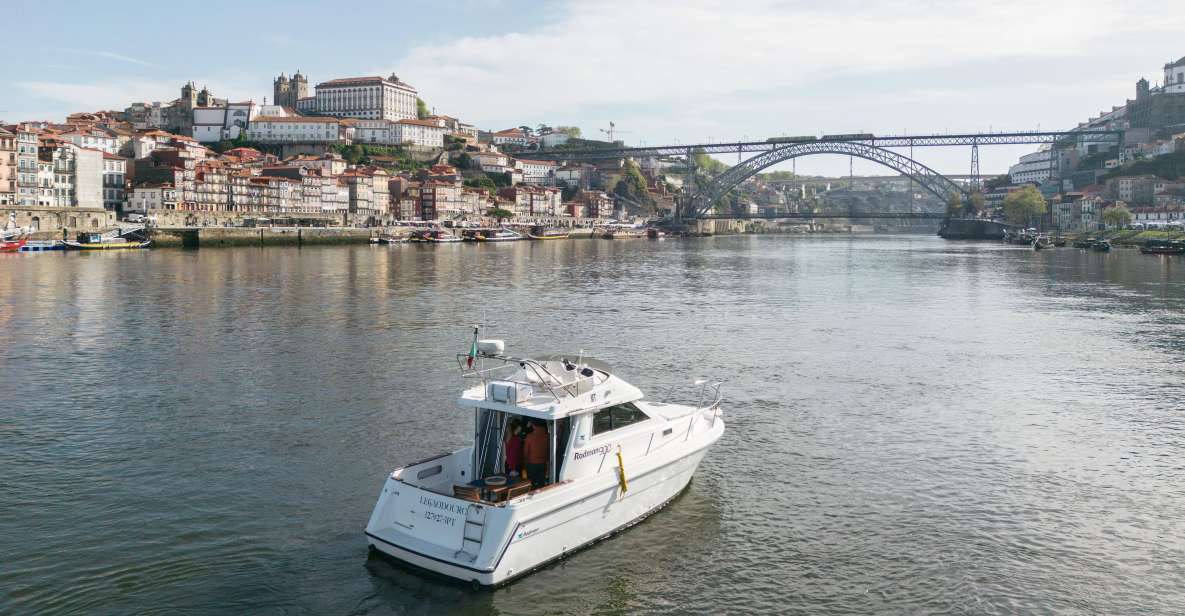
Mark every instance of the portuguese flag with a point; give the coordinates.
(472, 349)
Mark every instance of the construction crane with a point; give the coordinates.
(612, 131)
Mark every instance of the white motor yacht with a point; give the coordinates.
(613, 459)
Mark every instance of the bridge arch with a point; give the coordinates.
(935, 183)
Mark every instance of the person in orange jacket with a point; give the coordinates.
(536, 448)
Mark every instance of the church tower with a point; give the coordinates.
(300, 87)
(189, 95)
(281, 91)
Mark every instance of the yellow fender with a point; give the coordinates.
(621, 471)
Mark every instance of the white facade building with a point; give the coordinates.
(149, 198)
(93, 139)
(536, 171)
(425, 133)
(224, 122)
(365, 98)
(492, 162)
(1174, 77)
(513, 136)
(1036, 167)
(88, 178)
(273, 129)
(115, 170)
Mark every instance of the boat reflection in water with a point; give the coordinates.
(612, 458)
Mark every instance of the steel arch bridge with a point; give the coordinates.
(937, 184)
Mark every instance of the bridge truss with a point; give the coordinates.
(868, 147)
(928, 179)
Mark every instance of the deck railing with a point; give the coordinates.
(544, 379)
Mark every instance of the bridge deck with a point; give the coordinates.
(890, 141)
(806, 216)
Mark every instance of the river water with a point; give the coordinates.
(913, 425)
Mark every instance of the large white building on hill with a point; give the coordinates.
(378, 98)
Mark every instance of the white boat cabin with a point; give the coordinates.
(588, 413)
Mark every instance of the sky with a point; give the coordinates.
(686, 71)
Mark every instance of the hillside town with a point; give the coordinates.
(1142, 179)
(358, 151)
(368, 151)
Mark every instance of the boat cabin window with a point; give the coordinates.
(617, 416)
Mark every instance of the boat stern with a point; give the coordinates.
(451, 536)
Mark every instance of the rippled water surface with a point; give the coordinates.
(913, 425)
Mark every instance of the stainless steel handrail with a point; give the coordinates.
(547, 380)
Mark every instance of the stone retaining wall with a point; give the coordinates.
(49, 222)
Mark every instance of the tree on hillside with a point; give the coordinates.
(1117, 216)
(976, 204)
(482, 182)
(707, 164)
(542, 129)
(1021, 206)
(500, 213)
(422, 109)
(954, 205)
(571, 131)
(632, 186)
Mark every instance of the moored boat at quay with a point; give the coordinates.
(99, 241)
(43, 246)
(13, 245)
(623, 232)
(432, 236)
(12, 239)
(540, 232)
(1163, 247)
(599, 458)
(491, 235)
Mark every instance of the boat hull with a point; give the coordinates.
(12, 246)
(43, 246)
(549, 524)
(107, 246)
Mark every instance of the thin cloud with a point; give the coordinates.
(91, 96)
(111, 55)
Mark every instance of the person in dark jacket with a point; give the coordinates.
(514, 448)
(536, 448)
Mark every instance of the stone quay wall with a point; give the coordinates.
(49, 222)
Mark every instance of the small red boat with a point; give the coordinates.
(12, 245)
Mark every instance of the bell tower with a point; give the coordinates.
(300, 87)
(281, 90)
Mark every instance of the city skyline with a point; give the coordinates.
(888, 69)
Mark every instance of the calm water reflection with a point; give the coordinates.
(914, 425)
